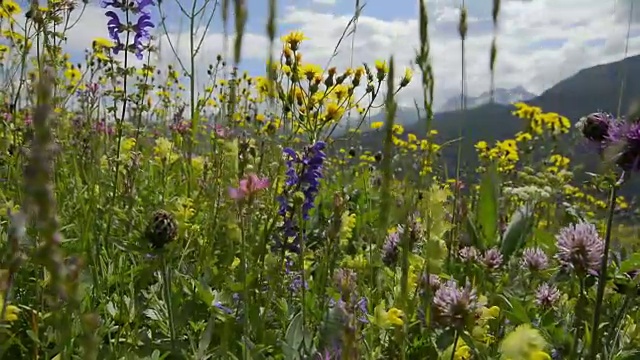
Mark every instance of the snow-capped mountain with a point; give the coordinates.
(501, 96)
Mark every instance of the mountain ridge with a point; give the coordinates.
(597, 88)
(501, 96)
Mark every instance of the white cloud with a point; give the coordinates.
(523, 24)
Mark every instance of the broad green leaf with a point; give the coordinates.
(487, 209)
(630, 264)
(295, 335)
(517, 312)
(519, 227)
(205, 338)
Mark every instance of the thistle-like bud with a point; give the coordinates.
(162, 229)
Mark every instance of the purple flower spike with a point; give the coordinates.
(139, 28)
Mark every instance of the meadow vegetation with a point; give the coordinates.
(153, 212)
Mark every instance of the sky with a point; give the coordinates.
(540, 42)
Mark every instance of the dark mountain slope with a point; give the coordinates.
(593, 89)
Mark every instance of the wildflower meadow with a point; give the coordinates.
(172, 212)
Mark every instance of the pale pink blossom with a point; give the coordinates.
(248, 186)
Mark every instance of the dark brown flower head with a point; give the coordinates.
(162, 229)
(596, 126)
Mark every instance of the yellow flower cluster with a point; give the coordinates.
(539, 121)
(9, 9)
(505, 153)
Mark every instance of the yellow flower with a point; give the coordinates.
(481, 334)
(164, 150)
(347, 224)
(559, 160)
(462, 352)
(73, 74)
(310, 71)
(9, 8)
(387, 318)
(126, 146)
(197, 163)
(539, 355)
(523, 343)
(11, 313)
(408, 74)
(398, 129)
(381, 67)
(334, 111)
(377, 125)
(100, 43)
(523, 136)
(489, 313)
(293, 39)
(481, 145)
(395, 315)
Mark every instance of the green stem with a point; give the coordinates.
(455, 345)
(166, 279)
(602, 278)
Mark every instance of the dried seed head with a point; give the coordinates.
(162, 229)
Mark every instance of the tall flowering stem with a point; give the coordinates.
(141, 36)
(602, 278)
(139, 29)
(620, 140)
(301, 188)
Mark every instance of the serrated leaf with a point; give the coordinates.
(487, 209)
(516, 233)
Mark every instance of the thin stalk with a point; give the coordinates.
(578, 323)
(166, 280)
(455, 345)
(602, 278)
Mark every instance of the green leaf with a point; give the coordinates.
(519, 227)
(632, 263)
(473, 234)
(205, 338)
(544, 239)
(295, 335)
(571, 214)
(487, 209)
(517, 312)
